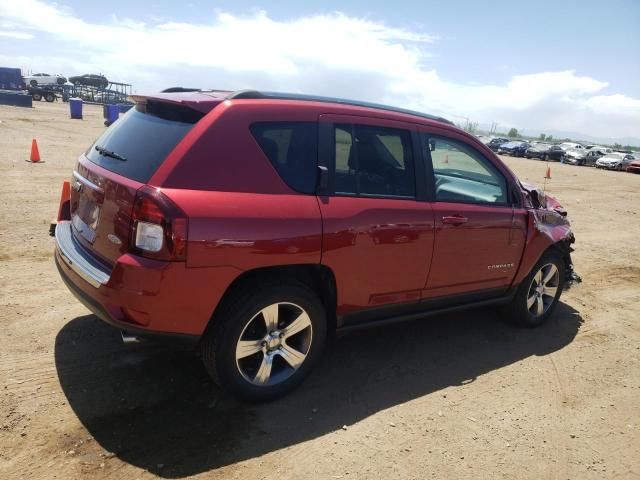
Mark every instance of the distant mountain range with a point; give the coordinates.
(579, 137)
(560, 134)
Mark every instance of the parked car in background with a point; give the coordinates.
(159, 233)
(90, 79)
(555, 152)
(538, 150)
(44, 79)
(634, 167)
(509, 147)
(615, 161)
(593, 155)
(496, 142)
(571, 146)
(575, 156)
(520, 150)
(599, 148)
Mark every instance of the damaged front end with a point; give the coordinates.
(549, 226)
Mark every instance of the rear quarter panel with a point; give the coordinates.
(247, 231)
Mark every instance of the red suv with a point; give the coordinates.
(259, 224)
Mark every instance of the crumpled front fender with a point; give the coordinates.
(547, 229)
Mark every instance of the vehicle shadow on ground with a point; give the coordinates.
(154, 407)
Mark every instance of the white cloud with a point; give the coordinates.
(16, 35)
(330, 54)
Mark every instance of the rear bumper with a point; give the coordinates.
(77, 258)
(100, 311)
(141, 295)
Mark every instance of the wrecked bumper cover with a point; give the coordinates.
(549, 220)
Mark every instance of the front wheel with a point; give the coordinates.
(49, 97)
(265, 340)
(539, 292)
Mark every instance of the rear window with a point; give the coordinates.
(292, 148)
(141, 139)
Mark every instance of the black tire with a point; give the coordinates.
(60, 81)
(50, 97)
(33, 83)
(36, 97)
(236, 314)
(545, 157)
(518, 312)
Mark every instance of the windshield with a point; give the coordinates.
(137, 143)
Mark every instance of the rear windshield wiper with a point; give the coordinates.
(109, 153)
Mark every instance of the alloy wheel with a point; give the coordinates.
(274, 344)
(543, 289)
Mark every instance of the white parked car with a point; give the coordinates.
(44, 79)
(615, 161)
(571, 146)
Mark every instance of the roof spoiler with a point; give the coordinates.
(180, 89)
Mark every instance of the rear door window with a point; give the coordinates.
(292, 149)
(137, 144)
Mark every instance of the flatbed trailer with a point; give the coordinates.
(48, 92)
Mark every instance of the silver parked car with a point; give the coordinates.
(575, 156)
(615, 161)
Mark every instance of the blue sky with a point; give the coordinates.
(571, 66)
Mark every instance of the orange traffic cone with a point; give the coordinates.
(35, 154)
(65, 198)
(548, 174)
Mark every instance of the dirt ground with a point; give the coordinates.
(457, 396)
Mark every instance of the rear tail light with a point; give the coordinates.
(159, 227)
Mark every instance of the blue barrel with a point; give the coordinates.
(75, 108)
(113, 112)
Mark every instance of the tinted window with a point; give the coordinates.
(143, 137)
(463, 174)
(292, 148)
(373, 161)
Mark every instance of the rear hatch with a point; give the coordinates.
(118, 164)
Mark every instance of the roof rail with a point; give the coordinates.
(255, 94)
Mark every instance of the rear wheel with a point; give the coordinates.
(33, 83)
(60, 81)
(539, 293)
(265, 340)
(49, 97)
(36, 97)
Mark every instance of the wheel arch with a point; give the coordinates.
(318, 278)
